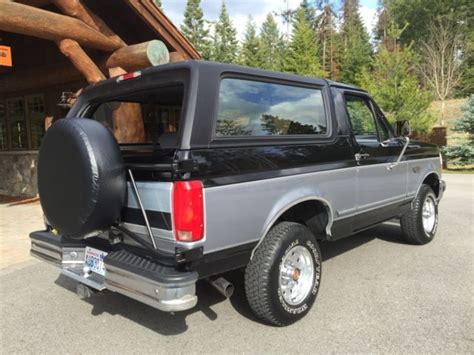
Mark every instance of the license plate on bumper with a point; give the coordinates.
(94, 260)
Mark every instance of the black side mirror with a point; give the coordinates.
(402, 128)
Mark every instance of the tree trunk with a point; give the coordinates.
(443, 104)
(81, 60)
(139, 56)
(128, 120)
(75, 8)
(31, 21)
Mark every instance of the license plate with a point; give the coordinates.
(94, 259)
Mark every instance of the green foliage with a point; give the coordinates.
(309, 12)
(193, 28)
(327, 37)
(301, 56)
(356, 48)
(421, 14)
(225, 41)
(463, 153)
(395, 86)
(250, 46)
(271, 48)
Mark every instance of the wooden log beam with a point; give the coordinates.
(139, 56)
(77, 9)
(38, 78)
(81, 61)
(35, 3)
(32, 21)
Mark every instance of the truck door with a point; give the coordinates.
(380, 189)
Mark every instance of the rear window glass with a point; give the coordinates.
(147, 117)
(251, 108)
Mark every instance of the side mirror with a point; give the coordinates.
(402, 128)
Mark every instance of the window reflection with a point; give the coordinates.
(250, 108)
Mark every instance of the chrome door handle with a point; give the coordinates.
(360, 156)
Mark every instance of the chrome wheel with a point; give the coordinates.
(429, 214)
(296, 275)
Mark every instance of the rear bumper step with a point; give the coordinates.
(146, 281)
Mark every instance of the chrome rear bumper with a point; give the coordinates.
(146, 281)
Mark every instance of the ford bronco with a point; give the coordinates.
(236, 168)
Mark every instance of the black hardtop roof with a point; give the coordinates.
(219, 68)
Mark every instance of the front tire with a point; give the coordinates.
(419, 225)
(282, 279)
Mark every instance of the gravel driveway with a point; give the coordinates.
(377, 295)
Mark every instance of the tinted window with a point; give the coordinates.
(361, 116)
(251, 108)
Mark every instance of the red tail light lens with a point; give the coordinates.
(188, 210)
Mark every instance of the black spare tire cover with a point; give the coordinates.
(81, 177)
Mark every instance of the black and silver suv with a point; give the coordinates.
(234, 168)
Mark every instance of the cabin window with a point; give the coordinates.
(252, 108)
(22, 122)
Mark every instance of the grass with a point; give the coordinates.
(458, 171)
(453, 169)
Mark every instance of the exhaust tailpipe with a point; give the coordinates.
(223, 286)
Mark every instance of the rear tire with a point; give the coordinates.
(419, 225)
(282, 279)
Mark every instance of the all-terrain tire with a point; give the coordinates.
(413, 231)
(262, 275)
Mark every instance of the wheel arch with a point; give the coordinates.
(432, 179)
(289, 212)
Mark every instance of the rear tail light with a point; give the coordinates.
(188, 210)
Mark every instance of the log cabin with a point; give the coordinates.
(51, 49)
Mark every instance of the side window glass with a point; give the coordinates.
(252, 108)
(362, 118)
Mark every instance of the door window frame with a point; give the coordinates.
(373, 108)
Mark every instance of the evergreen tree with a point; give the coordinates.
(301, 57)
(395, 86)
(225, 41)
(419, 16)
(250, 46)
(327, 37)
(271, 48)
(309, 12)
(356, 47)
(193, 28)
(462, 153)
(384, 20)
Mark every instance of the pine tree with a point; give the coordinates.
(309, 12)
(357, 50)
(384, 19)
(250, 46)
(194, 29)
(462, 153)
(225, 41)
(301, 57)
(327, 36)
(395, 86)
(270, 53)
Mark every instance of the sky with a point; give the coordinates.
(239, 10)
